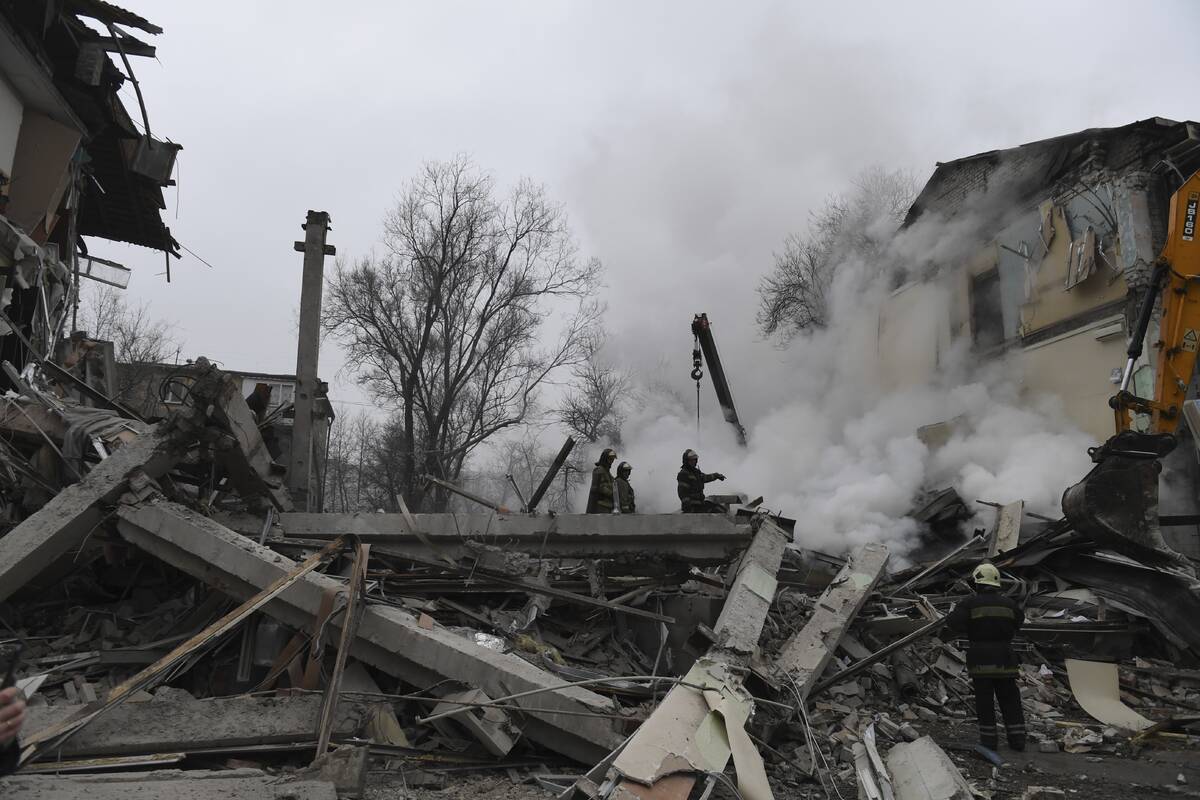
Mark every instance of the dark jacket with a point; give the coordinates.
(989, 620)
(625, 499)
(9, 756)
(600, 497)
(691, 487)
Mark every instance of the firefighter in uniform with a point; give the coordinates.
(600, 497)
(625, 499)
(691, 485)
(989, 620)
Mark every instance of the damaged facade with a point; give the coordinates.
(1073, 226)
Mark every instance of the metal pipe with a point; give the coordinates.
(557, 464)
(483, 501)
(862, 664)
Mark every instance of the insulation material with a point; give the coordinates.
(723, 708)
(1096, 688)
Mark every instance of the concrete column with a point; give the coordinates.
(307, 354)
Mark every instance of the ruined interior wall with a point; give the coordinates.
(1047, 301)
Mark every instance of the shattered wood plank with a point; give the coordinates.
(692, 538)
(227, 723)
(354, 606)
(240, 784)
(806, 654)
(63, 523)
(54, 735)
(677, 742)
(388, 638)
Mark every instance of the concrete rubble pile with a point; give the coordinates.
(181, 630)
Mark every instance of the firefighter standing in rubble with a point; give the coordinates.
(625, 499)
(601, 495)
(691, 485)
(990, 620)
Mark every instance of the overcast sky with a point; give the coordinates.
(685, 139)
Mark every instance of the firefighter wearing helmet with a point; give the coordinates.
(600, 496)
(691, 484)
(625, 499)
(990, 620)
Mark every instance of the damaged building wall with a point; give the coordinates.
(1081, 219)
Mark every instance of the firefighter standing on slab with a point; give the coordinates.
(990, 620)
(625, 499)
(601, 495)
(691, 485)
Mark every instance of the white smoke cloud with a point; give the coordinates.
(837, 448)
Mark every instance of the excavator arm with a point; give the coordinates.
(1176, 279)
(1117, 502)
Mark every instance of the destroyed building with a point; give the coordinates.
(186, 624)
(1067, 230)
(73, 164)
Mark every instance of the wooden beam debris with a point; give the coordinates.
(354, 606)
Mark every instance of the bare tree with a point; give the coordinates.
(594, 407)
(350, 468)
(139, 340)
(794, 296)
(527, 460)
(449, 325)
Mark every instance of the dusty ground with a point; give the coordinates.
(1151, 773)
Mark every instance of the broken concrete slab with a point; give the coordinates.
(1007, 532)
(491, 727)
(64, 522)
(922, 771)
(239, 784)
(346, 768)
(745, 610)
(224, 723)
(388, 638)
(808, 651)
(694, 731)
(691, 538)
(246, 458)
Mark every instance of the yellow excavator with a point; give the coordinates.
(1117, 502)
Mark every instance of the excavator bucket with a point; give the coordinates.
(1116, 504)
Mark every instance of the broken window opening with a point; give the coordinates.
(987, 319)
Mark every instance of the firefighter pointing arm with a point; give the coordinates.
(691, 484)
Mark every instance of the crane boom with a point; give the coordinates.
(702, 331)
